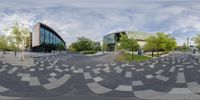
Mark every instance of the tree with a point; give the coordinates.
(61, 46)
(151, 44)
(184, 47)
(128, 44)
(160, 42)
(3, 43)
(197, 41)
(13, 45)
(170, 44)
(83, 44)
(19, 33)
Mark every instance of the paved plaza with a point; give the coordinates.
(100, 77)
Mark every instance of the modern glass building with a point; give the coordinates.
(111, 41)
(45, 39)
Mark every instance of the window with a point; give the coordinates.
(46, 36)
(50, 37)
(41, 35)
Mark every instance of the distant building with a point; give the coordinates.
(111, 41)
(45, 39)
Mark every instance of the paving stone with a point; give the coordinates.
(75, 71)
(88, 67)
(194, 87)
(128, 74)
(4, 66)
(12, 70)
(106, 65)
(99, 65)
(180, 78)
(41, 65)
(3, 89)
(172, 69)
(163, 78)
(124, 88)
(149, 94)
(80, 70)
(138, 70)
(116, 68)
(164, 65)
(65, 65)
(179, 65)
(34, 81)
(113, 64)
(87, 75)
(49, 67)
(97, 88)
(32, 69)
(190, 66)
(25, 78)
(96, 71)
(72, 68)
(23, 74)
(137, 83)
(57, 83)
(159, 71)
(98, 79)
(180, 69)
(58, 70)
(2, 69)
(51, 79)
(66, 69)
(106, 70)
(119, 70)
(142, 64)
(151, 66)
(149, 76)
(41, 68)
(53, 74)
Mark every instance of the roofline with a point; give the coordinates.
(114, 33)
(42, 24)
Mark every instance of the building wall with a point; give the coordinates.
(45, 39)
(36, 35)
(111, 39)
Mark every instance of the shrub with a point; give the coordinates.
(88, 52)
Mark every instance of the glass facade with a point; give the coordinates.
(109, 38)
(49, 38)
(42, 36)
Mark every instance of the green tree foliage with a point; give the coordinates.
(184, 47)
(160, 42)
(128, 44)
(84, 44)
(3, 43)
(61, 47)
(19, 34)
(197, 41)
(170, 44)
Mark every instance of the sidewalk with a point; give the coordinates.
(10, 58)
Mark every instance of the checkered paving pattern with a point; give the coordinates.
(173, 76)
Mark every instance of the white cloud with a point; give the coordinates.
(94, 19)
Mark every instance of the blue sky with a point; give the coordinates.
(96, 18)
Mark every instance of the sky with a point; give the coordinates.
(95, 18)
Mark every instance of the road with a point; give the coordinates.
(78, 77)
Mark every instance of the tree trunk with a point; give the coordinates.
(132, 53)
(15, 53)
(152, 53)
